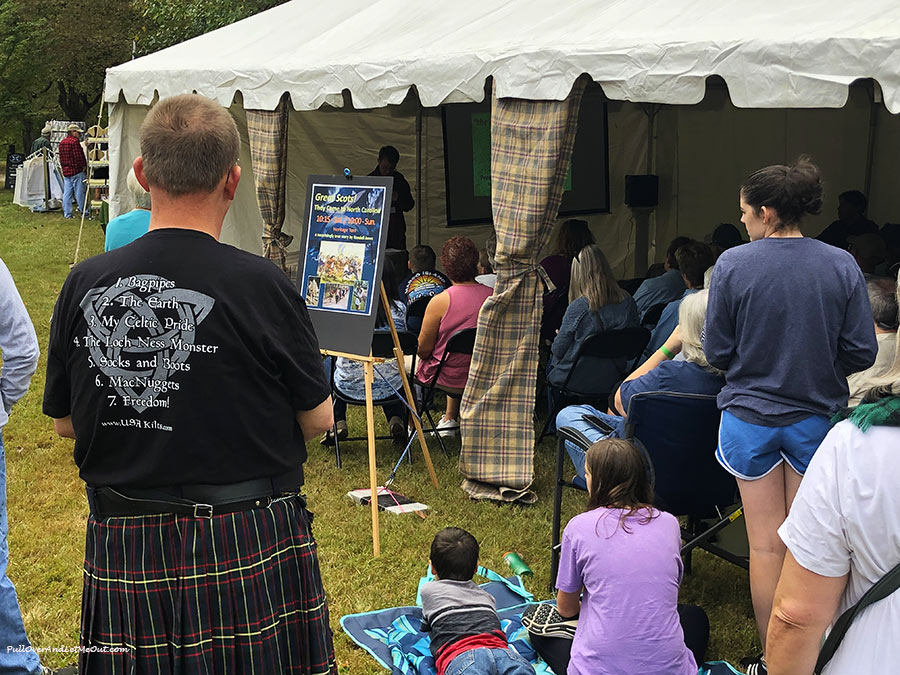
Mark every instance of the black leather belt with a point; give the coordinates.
(197, 501)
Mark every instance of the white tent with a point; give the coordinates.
(787, 57)
(348, 68)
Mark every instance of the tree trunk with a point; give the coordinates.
(27, 134)
(74, 103)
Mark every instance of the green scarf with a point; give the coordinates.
(882, 413)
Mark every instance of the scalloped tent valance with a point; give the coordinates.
(771, 53)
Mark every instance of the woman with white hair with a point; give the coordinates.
(842, 536)
(660, 372)
(129, 226)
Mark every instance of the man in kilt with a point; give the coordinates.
(189, 375)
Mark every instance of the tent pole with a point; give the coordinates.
(418, 172)
(870, 150)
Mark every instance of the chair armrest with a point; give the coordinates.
(575, 436)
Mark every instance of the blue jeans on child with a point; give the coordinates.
(484, 661)
(12, 629)
(73, 184)
(571, 416)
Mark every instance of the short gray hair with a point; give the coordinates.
(883, 299)
(139, 196)
(889, 383)
(691, 318)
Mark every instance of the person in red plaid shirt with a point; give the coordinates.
(73, 162)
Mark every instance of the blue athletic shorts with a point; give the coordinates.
(750, 451)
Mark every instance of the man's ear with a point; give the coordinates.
(231, 181)
(138, 165)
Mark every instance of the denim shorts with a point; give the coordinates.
(750, 451)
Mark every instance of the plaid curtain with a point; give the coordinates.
(268, 149)
(531, 149)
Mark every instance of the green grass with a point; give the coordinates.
(47, 506)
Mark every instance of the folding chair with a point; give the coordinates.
(461, 342)
(382, 347)
(601, 363)
(678, 434)
(414, 315)
(653, 315)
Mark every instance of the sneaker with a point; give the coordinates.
(68, 670)
(754, 665)
(328, 436)
(398, 431)
(447, 428)
(545, 620)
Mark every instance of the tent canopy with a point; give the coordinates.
(771, 53)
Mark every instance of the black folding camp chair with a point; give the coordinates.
(382, 347)
(652, 316)
(678, 434)
(415, 312)
(600, 365)
(461, 342)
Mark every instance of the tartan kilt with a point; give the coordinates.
(228, 595)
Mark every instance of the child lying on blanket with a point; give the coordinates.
(462, 618)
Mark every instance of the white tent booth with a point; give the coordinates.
(699, 92)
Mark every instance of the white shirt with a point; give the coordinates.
(846, 518)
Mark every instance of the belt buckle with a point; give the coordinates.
(203, 511)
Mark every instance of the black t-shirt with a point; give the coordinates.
(182, 361)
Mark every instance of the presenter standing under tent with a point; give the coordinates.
(680, 92)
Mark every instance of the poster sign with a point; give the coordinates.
(13, 161)
(345, 233)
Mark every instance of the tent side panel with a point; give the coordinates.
(243, 226)
(124, 145)
(719, 145)
(328, 140)
(884, 197)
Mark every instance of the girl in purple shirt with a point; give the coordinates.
(619, 572)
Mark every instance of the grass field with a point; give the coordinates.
(47, 506)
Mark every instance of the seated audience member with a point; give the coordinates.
(661, 372)
(349, 376)
(486, 273)
(724, 237)
(890, 233)
(129, 226)
(869, 251)
(466, 636)
(573, 236)
(884, 311)
(851, 220)
(423, 282)
(596, 304)
(448, 312)
(842, 535)
(655, 270)
(694, 258)
(619, 572)
(666, 287)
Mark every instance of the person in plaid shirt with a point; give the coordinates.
(73, 163)
(190, 377)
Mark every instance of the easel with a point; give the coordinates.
(369, 377)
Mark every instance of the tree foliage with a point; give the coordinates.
(54, 53)
(169, 22)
